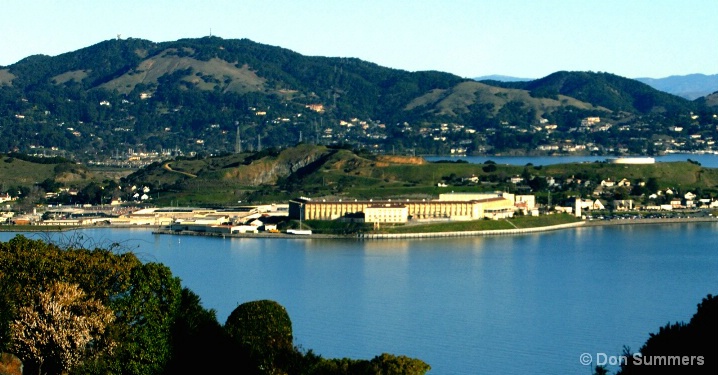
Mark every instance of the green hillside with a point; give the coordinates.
(607, 90)
(18, 170)
(191, 96)
(317, 171)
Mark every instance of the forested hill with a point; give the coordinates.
(196, 95)
(603, 89)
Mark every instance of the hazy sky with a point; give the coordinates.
(470, 38)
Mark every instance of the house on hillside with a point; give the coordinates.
(596, 205)
(623, 204)
(608, 183)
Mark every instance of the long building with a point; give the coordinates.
(494, 207)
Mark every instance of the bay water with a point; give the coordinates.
(483, 305)
(706, 160)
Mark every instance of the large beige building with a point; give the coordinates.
(493, 206)
(386, 213)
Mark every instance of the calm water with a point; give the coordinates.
(510, 305)
(706, 160)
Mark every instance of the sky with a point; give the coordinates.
(469, 38)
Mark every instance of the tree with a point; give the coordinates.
(146, 314)
(60, 329)
(488, 168)
(652, 185)
(197, 334)
(697, 340)
(265, 330)
(388, 364)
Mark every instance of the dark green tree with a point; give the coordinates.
(697, 339)
(146, 315)
(200, 344)
(265, 330)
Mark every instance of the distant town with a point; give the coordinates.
(606, 201)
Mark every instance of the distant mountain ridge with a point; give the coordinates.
(691, 86)
(501, 78)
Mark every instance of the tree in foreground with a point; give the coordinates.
(60, 329)
(263, 328)
(70, 310)
(675, 343)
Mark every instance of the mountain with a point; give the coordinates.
(710, 101)
(607, 90)
(500, 78)
(122, 100)
(692, 86)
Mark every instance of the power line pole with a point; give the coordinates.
(238, 143)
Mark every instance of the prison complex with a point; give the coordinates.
(453, 206)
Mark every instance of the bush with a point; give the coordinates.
(264, 329)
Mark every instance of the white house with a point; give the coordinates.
(624, 183)
(608, 183)
(597, 205)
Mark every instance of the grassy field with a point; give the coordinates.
(543, 220)
(14, 171)
(520, 222)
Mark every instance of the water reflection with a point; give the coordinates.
(514, 304)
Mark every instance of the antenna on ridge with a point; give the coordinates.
(119, 36)
(210, 32)
(238, 141)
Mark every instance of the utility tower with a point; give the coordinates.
(238, 143)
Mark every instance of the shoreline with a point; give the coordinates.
(598, 223)
(478, 233)
(159, 230)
